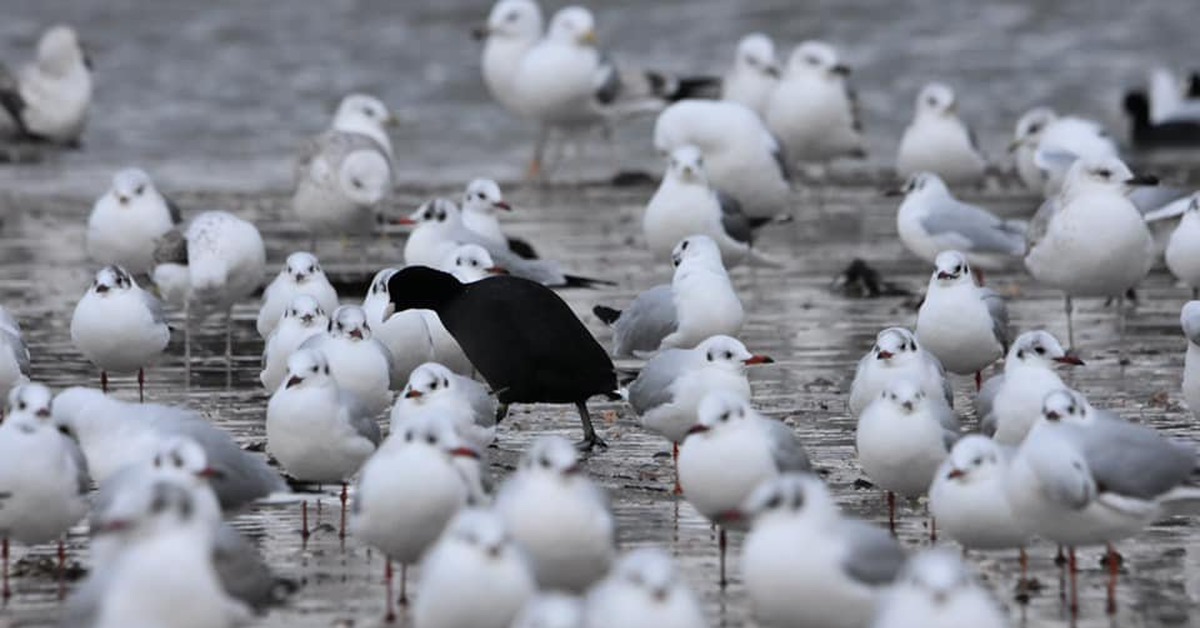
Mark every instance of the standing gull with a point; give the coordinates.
(127, 221)
(930, 220)
(685, 205)
(728, 452)
(342, 176)
(1045, 145)
(1183, 248)
(936, 590)
(754, 74)
(303, 319)
(434, 390)
(358, 361)
(317, 431)
(1117, 251)
(512, 28)
(744, 160)
(1028, 377)
(806, 564)
(365, 115)
(938, 141)
(896, 355)
(481, 200)
(645, 589)
(699, 303)
(119, 327)
(48, 99)
(963, 324)
(813, 110)
(524, 340)
(301, 274)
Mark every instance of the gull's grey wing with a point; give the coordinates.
(1063, 475)
(544, 271)
(363, 423)
(393, 375)
(947, 389)
(652, 388)
(786, 450)
(243, 572)
(1040, 222)
(984, 400)
(334, 146)
(643, 325)
(874, 558)
(1133, 460)
(242, 477)
(19, 350)
(83, 478)
(483, 404)
(973, 229)
(1148, 198)
(105, 499)
(997, 306)
(780, 157)
(152, 303)
(946, 416)
(736, 224)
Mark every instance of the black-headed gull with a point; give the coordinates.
(938, 141)
(302, 319)
(127, 221)
(301, 274)
(896, 355)
(931, 220)
(937, 590)
(646, 589)
(358, 361)
(962, 323)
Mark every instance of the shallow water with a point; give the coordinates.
(217, 126)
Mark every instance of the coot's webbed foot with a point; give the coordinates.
(591, 440)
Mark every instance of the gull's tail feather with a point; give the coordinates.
(575, 281)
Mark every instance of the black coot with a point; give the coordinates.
(523, 339)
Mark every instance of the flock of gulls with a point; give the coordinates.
(471, 324)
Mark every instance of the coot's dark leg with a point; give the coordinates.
(590, 439)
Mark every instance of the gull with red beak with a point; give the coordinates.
(896, 355)
(559, 516)
(806, 564)
(938, 141)
(470, 263)
(436, 391)
(481, 200)
(1028, 377)
(962, 323)
(646, 589)
(301, 274)
(902, 438)
(937, 590)
(667, 392)
(1085, 476)
(475, 554)
(43, 475)
(358, 361)
(119, 327)
(317, 429)
(728, 452)
(302, 319)
(408, 491)
(128, 220)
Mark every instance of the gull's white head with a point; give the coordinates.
(307, 368)
(111, 280)
(131, 185)
(434, 432)
(816, 58)
(729, 352)
(365, 177)
(974, 458)
(924, 184)
(482, 531)
(790, 495)
(1041, 348)
(379, 284)
(349, 321)
(427, 382)
(30, 400)
(756, 54)
(687, 164)
(1066, 406)
(720, 408)
(652, 574)
(183, 455)
(1189, 319)
(697, 249)
(59, 51)
(951, 268)
(573, 25)
(514, 19)
(937, 574)
(305, 310)
(359, 111)
(471, 262)
(302, 266)
(936, 99)
(904, 395)
(895, 346)
(438, 211)
(554, 455)
(1031, 125)
(484, 196)
(1102, 174)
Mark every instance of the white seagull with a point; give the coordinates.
(813, 110)
(1189, 319)
(1183, 248)
(938, 141)
(481, 200)
(49, 99)
(645, 589)
(1045, 145)
(754, 74)
(513, 27)
(1028, 377)
(301, 274)
(14, 355)
(365, 115)
(119, 327)
(436, 391)
(358, 361)
(470, 263)
(699, 303)
(896, 355)
(550, 610)
(931, 220)
(965, 325)
(127, 221)
(343, 176)
(559, 516)
(967, 496)
(302, 319)
(936, 590)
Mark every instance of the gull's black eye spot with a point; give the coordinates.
(139, 190)
(1104, 173)
(728, 355)
(725, 416)
(21, 405)
(684, 245)
(775, 502)
(977, 461)
(1040, 350)
(408, 437)
(431, 439)
(709, 357)
(326, 369)
(315, 368)
(1035, 127)
(512, 17)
